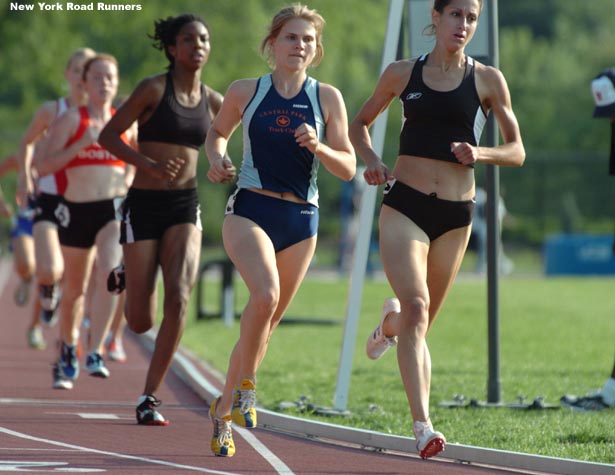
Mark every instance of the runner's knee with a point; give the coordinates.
(139, 317)
(416, 310)
(264, 301)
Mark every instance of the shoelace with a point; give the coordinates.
(225, 433)
(379, 334)
(153, 402)
(390, 340)
(420, 428)
(247, 399)
(70, 353)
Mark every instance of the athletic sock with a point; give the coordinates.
(608, 392)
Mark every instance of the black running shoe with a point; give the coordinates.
(48, 317)
(68, 364)
(96, 366)
(116, 282)
(147, 414)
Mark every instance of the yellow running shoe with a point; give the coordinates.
(244, 400)
(222, 444)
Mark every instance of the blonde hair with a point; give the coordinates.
(296, 10)
(85, 53)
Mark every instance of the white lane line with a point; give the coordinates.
(90, 415)
(5, 272)
(75, 403)
(280, 467)
(37, 449)
(45, 467)
(113, 454)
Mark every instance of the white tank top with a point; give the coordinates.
(48, 183)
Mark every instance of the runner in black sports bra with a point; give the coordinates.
(161, 224)
(433, 119)
(174, 123)
(427, 208)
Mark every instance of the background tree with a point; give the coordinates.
(549, 51)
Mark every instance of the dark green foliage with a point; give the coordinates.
(549, 52)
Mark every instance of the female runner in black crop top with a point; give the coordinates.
(161, 216)
(427, 209)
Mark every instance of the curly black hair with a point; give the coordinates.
(166, 30)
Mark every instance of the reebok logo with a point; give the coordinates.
(414, 96)
(300, 106)
(306, 211)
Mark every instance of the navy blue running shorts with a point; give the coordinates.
(285, 222)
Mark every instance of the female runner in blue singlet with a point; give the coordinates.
(271, 221)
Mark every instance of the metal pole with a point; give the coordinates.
(227, 299)
(493, 232)
(366, 218)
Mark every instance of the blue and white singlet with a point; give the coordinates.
(272, 159)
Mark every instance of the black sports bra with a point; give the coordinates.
(434, 119)
(173, 123)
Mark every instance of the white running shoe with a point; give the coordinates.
(59, 381)
(36, 340)
(22, 293)
(49, 297)
(115, 350)
(378, 343)
(429, 443)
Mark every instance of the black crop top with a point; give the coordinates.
(434, 119)
(173, 123)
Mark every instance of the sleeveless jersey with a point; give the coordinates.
(433, 119)
(272, 159)
(55, 183)
(175, 124)
(93, 154)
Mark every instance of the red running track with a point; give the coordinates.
(92, 428)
